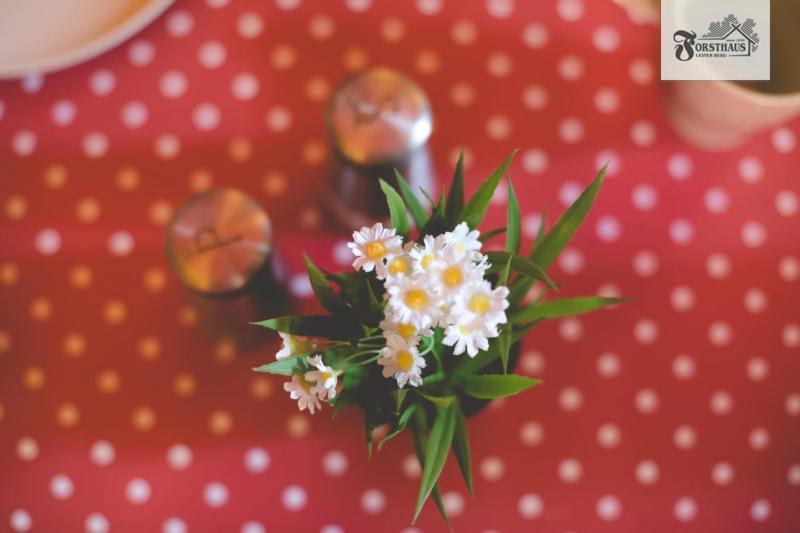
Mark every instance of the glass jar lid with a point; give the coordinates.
(218, 240)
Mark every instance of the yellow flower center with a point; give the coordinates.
(479, 304)
(405, 361)
(426, 260)
(375, 250)
(406, 331)
(398, 265)
(326, 376)
(305, 383)
(452, 277)
(416, 299)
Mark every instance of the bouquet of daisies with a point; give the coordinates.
(423, 331)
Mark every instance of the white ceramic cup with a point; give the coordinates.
(723, 115)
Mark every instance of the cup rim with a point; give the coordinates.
(765, 99)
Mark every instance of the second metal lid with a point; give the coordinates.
(378, 116)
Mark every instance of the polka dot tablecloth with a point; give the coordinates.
(123, 409)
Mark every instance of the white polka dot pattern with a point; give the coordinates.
(675, 399)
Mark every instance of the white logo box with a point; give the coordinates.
(715, 39)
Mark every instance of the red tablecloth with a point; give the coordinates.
(120, 410)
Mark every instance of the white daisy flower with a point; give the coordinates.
(302, 390)
(325, 378)
(471, 337)
(455, 271)
(477, 301)
(294, 345)
(405, 330)
(427, 255)
(401, 264)
(372, 246)
(401, 361)
(413, 301)
(462, 240)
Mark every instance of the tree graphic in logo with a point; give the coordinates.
(724, 29)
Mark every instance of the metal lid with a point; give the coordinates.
(378, 116)
(218, 240)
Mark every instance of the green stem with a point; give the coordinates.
(373, 344)
(339, 343)
(427, 349)
(353, 356)
(368, 361)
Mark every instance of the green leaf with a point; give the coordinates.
(522, 285)
(519, 290)
(342, 400)
(375, 309)
(504, 346)
(397, 209)
(513, 222)
(413, 204)
(351, 380)
(338, 328)
(369, 425)
(399, 398)
(436, 223)
(486, 236)
(375, 415)
(506, 272)
(427, 196)
(489, 386)
(565, 227)
(362, 295)
(520, 332)
(455, 200)
(285, 367)
(439, 401)
(461, 450)
(472, 365)
(476, 207)
(436, 453)
(563, 307)
(420, 440)
(432, 379)
(402, 422)
(350, 284)
(541, 231)
(437, 347)
(437, 498)
(322, 290)
(518, 264)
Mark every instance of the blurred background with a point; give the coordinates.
(127, 402)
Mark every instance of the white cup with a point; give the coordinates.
(723, 115)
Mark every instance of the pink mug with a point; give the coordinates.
(721, 115)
